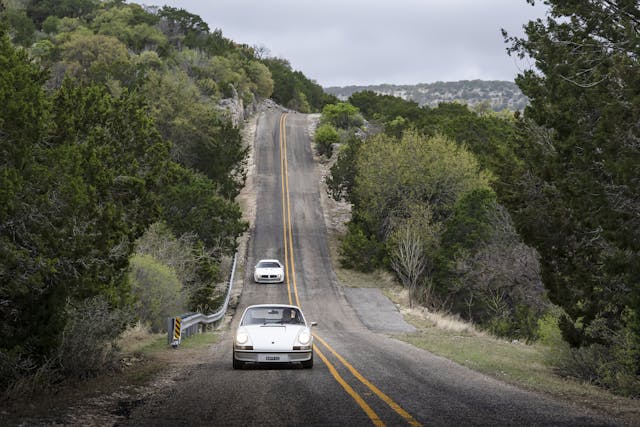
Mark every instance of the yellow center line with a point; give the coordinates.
(365, 407)
(283, 174)
(283, 132)
(404, 414)
(289, 256)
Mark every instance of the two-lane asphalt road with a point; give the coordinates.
(359, 377)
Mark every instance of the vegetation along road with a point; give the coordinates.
(360, 377)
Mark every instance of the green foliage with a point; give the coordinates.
(39, 10)
(387, 107)
(22, 26)
(201, 139)
(80, 180)
(469, 225)
(467, 256)
(157, 290)
(358, 251)
(324, 138)
(343, 172)
(132, 26)
(612, 366)
(88, 342)
(191, 204)
(392, 179)
(95, 58)
(412, 244)
(487, 136)
(293, 90)
(392, 175)
(578, 202)
(122, 129)
(342, 115)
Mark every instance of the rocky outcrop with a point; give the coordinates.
(499, 95)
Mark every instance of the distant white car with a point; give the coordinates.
(273, 333)
(268, 271)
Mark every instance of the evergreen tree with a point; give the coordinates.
(582, 206)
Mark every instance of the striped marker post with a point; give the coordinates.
(177, 329)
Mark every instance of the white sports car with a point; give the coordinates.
(273, 333)
(268, 271)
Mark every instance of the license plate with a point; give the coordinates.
(269, 358)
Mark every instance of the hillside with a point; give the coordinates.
(500, 94)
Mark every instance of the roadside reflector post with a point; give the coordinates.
(177, 332)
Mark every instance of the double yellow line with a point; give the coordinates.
(286, 216)
(292, 291)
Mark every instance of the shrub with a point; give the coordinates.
(88, 341)
(157, 290)
(326, 135)
(342, 115)
(359, 252)
(612, 366)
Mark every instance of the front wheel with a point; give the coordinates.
(308, 364)
(237, 364)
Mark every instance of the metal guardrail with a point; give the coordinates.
(188, 324)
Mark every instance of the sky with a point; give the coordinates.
(368, 42)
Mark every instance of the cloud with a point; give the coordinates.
(367, 42)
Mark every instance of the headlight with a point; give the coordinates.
(304, 338)
(242, 337)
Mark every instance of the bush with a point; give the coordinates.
(611, 366)
(88, 341)
(157, 290)
(342, 115)
(326, 135)
(359, 252)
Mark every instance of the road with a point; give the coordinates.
(360, 377)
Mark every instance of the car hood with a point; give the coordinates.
(273, 337)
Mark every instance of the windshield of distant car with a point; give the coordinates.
(272, 315)
(268, 264)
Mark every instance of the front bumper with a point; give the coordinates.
(268, 278)
(273, 357)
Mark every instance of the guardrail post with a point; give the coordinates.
(177, 332)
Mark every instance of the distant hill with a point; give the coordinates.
(501, 95)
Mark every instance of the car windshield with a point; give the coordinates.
(268, 264)
(272, 315)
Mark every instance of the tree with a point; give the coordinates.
(393, 175)
(413, 244)
(292, 89)
(343, 172)
(325, 136)
(583, 167)
(342, 115)
(157, 290)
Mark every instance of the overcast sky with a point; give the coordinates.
(366, 42)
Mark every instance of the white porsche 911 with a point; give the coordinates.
(273, 333)
(268, 271)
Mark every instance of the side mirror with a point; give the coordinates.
(314, 324)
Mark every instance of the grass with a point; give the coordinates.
(527, 366)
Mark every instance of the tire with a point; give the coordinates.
(308, 364)
(237, 364)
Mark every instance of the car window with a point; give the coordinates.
(268, 265)
(270, 315)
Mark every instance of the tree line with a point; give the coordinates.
(522, 223)
(118, 174)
